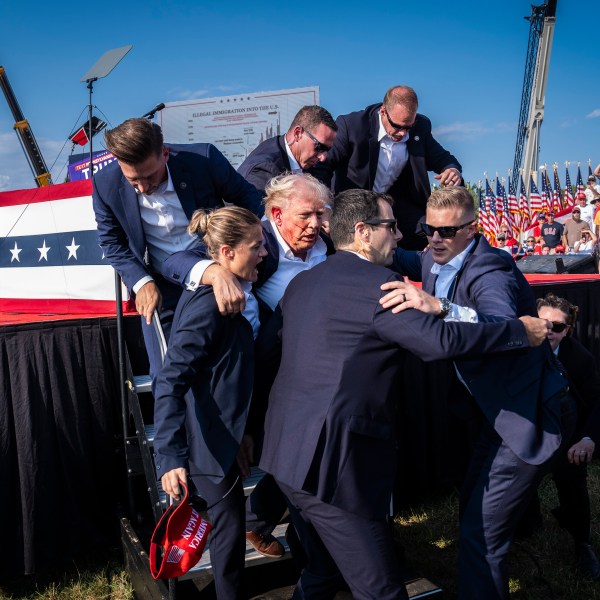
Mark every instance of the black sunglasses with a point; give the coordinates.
(391, 223)
(449, 231)
(396, 126)
(558, 327)
(320, 147)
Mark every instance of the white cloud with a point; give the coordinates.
(219, 90)
(567, 123)
(181, 94)
(461, 130)
(595, 113)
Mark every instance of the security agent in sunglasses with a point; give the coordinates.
(522, 398)
(388, 147)
(305, 144)
(329, 432)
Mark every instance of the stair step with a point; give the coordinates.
(150, 432)
(253, 558)
(141, 384)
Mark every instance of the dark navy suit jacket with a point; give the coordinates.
(266, 161)
(355, 154)
(330, 426)
(516, 392)
(202, 177)
(582, 370)
(214, 357)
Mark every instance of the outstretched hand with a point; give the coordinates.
(403, 295)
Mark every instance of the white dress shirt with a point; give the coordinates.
(294, 165)
(251, 309)
(289, 266)
(446, 275)
(165, 226)
(393, 156)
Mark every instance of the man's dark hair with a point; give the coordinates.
(310, 117)
(134, 140)
(352, 207)
(570, 310)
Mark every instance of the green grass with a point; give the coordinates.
(539, 566)
(91, 580)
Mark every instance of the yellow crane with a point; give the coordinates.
(25, 135)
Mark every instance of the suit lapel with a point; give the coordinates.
(183, 184)
(129, 201)
(373, 147)
(429, 278)
(284, 155)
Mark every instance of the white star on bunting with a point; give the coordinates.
(72, 250)
(15, 253)
(44, 252)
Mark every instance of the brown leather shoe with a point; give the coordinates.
(267, 544)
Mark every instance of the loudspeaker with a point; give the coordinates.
(551, 264)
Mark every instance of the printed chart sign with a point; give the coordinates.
(234, 124)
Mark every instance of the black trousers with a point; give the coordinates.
(341, 546)
(265, 506)
(573, 511)
(497, 490)
(227, 542)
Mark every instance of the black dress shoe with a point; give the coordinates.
(587, 562)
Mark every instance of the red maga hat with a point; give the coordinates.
(181, 536)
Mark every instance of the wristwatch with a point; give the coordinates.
(445, 307)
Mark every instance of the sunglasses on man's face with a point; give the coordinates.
(391, 223)
(397, 126)
(558, 327)
(320, 147)
(446, 232)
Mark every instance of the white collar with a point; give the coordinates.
(456, 263)
(294, 166)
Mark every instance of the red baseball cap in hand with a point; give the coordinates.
(181, 536)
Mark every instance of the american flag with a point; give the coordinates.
(490, 202)
(525, 223)
(580, 188)
(513, 205)
(484, 221)
(546, 193)
(590, 172)
(535, 200)
(507, 217)
(499, 202)
(556, 197)
(50, 260)
(569, 200)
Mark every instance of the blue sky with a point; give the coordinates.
(465, 61)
